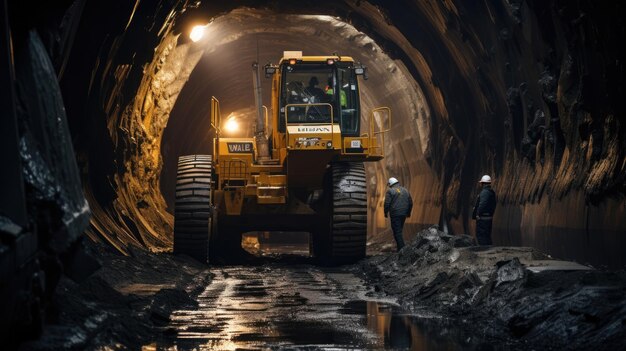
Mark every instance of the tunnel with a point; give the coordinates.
(485, 88)
(528, 92)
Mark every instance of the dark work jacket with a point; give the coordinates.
(485, 203)
(398, 201)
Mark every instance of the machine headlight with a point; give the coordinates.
(231, 125)
(329, 145)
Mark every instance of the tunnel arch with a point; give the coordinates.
(501, 85)
(389, 85)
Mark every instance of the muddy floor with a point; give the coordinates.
(440, 292)
(163, 302)
(295, 307)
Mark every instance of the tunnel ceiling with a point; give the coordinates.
(523, 90)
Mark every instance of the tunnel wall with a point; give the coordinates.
(516, 92)
(526, 91)
(119, 88)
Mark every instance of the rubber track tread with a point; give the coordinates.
(349, 222)
(192, 208)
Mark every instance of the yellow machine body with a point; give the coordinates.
(301, 149)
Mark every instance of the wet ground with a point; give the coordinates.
(439, 292)
(297, 307)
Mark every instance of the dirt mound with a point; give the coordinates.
(491, 291)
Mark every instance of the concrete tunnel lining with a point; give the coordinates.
(478, 90)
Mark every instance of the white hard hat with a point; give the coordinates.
(485, 179)
(392, 181)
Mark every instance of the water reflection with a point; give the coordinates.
(299, 308)
(397, 329)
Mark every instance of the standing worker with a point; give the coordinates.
(398, 204)
(484, 210)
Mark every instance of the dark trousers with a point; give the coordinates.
(397, 222)
(483, 231)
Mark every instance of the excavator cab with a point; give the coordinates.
(330, 88)
(328, 85)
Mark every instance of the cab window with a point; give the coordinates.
(304, 98)
(348, 97)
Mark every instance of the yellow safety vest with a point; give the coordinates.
(343, 99)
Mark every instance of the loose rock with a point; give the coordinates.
(490, 291)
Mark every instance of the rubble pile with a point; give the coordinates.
(490, 291)
(126, 303)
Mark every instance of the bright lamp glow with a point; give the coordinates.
(197, 33)
(231, 125)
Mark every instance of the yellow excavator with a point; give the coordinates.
(302, 171)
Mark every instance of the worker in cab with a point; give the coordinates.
(398, 206)
(343, 99)
(314, 94)
(483, 211)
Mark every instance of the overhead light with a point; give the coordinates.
(231, 125)
(197, 33)
(292, 61)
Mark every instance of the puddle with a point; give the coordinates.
(142, 289)
(301, 308)
(387, 325)
(397, 329)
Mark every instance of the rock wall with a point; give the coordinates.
(530, 91)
